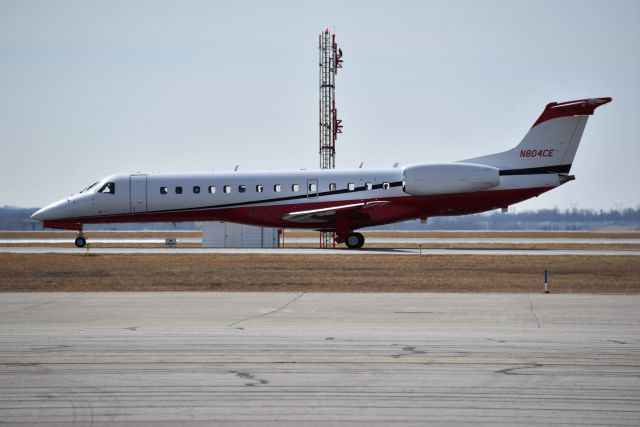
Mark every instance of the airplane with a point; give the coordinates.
(339, 201)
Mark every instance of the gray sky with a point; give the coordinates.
(92, 88)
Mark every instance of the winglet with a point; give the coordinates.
(580, 107)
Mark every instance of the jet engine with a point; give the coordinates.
(448, 178)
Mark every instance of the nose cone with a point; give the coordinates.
(39, 215)
(54, 211)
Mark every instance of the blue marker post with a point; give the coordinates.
(546, 283)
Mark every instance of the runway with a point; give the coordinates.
(297, 240)
(293, 358)
(316, 251)
(401, 243)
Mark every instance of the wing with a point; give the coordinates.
(326, 215)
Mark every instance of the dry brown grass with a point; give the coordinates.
(316, 273)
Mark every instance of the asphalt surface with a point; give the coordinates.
(287, 359)
(396, 240)
(341, 250)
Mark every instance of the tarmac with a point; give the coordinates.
(317, 251)
(297, 240)
(316, 359)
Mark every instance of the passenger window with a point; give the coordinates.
(259, 188)
(295, 188)
(277, 188)
(385, 185)
(164, 190)
(178, 190)
(212, 189)
(196, 189)
(368, 185)
(242, 188)
(332, 186)
(351, 186)
(227, 189)
(313, 187)
(108, 188)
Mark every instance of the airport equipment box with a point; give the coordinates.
(217, 234)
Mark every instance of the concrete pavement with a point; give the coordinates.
(316, 251)
(284, 358)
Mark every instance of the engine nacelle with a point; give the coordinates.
(448, 178)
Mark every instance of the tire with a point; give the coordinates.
(354, 241)
(80, 242)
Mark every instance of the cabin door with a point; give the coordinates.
(138, 186)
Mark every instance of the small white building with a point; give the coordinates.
(216, 234)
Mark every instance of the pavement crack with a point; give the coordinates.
(511, 371)
(29, 307)
(49, 348)
(533, 312)
(257, 316)
(411, 351)
(249, 376)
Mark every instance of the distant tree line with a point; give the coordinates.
(12, 218)
(543, 219)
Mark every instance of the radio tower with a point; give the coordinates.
(330, 125)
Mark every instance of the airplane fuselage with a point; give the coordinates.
(339, 200)
(264, 198)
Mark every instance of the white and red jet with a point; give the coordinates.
(339, 200)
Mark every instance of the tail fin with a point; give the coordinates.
(551, 143)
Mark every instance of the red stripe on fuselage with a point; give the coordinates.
(399, 209)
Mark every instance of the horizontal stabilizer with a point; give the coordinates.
(580, 107)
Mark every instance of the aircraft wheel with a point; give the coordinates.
(80, 241)
(354, 241)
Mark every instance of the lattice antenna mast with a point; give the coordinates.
(330, 125)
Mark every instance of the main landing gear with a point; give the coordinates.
(351, 239)
(354, 240)
(80, 241)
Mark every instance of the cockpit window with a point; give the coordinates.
(108, 188)
(90, 187)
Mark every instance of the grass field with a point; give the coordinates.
(321, 273)
(318, 273)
